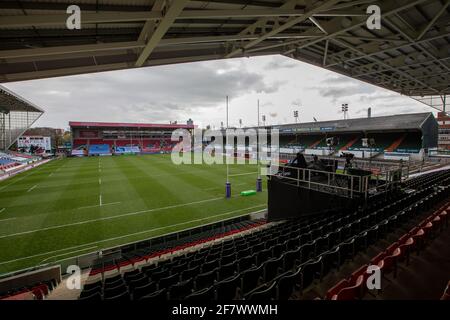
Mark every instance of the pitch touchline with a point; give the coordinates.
(109, 218)
(131, 234)
(32, 188)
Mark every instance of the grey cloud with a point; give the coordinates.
(280, 63)
(148, 94)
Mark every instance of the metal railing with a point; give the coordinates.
(344, 184)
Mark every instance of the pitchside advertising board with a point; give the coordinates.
(41, 142)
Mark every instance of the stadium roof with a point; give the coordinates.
(409, 54)
(413, 121)
(10, 101)
(74, 124)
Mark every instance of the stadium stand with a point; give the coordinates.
(279, 262)
(123, 138)
(400, 135)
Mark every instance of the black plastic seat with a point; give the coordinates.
(293, 243)
(157, 275)
(227, 259)
(263, 256)
(190, 273)
(308, 251)
(228, 270)
(322, 244)
(372, 235)
(248, 262)
(211, 265)
(169, 281)
(144, 290)
(305, 238)
(206, 294)
(278, 249)
(264, 293)
(95, 296)
(251, 279)
(132, 275)
(205, 280)
(286, 284)
(179, 268)
(347, 249)
(91, 291)
(124, 296)
(361, 243)
(331, 259)
(243, 252)
(138, 282)
(114, 291)
(311, 270)
(160, 295)
(180, 290)
(113, 281)
(229, 289)
(290, 259)
(272, 268)
(94, 285)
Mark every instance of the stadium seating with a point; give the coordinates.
(382, 142)
(397, 252)
(410, 144)
(37, 291)
(8, 161)
(283, 258)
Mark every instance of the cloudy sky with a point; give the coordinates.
(198, 91)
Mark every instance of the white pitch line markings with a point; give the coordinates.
(97, 205)
(109, 218)
(242, 174)
(2, 209)
(100, 200)
(134, 234)
(32, 188)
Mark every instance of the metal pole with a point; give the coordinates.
(258, 179)
(227, 184)
(226, 143)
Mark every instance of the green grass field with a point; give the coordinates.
(73, 206)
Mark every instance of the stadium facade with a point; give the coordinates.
(16, 116)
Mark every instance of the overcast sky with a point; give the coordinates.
(198, 91)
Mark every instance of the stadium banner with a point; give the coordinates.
(79, 153)
(37, 141)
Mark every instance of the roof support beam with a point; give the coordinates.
(387, 66)
(280, 28)
(433, 21)
(19, 21)
(172, 13)
(369, 49)
(387, 8)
